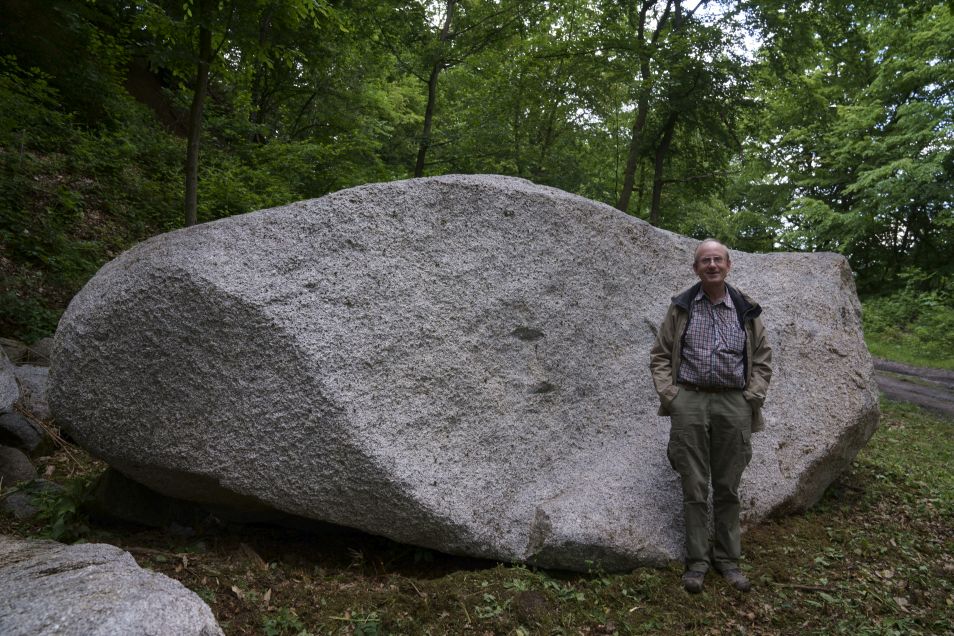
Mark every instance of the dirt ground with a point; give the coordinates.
(932, 389)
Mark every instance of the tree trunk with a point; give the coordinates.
(661, 151)
(195, 116)
(432, 91)
(428, 119)
(642, 108)
(259, 89)
(629, 175)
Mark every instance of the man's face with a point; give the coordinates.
(712, 263)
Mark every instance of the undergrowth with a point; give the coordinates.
(913, 325)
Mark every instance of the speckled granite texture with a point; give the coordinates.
(458, 362)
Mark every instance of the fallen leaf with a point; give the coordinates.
(267, 597)
(238, 593)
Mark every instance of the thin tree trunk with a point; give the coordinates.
(195, 116)
(642, 107)
(428, 119)
(260, 96)
(432, 92)
(641, 189)
(661, 151)
(629, 175)
(517, 151)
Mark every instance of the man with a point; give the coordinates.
(710, 365)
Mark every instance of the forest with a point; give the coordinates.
(770, 124)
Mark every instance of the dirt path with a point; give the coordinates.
(932, 389)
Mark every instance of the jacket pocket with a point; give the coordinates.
(668, 396)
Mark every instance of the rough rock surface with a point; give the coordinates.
(40, 352)
(19, 432)
(9, 390)
(37, 353)
(458, 362)
(22, 503)
(15, 467)
(91, 589)
(33, 382)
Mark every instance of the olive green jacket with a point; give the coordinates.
(665, 355)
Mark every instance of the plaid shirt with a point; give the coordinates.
(713, 345)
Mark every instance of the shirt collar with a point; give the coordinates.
(726, 299)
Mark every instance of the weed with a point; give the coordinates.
(61, 512)
(283, 622)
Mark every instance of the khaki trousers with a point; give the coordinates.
(710, 443)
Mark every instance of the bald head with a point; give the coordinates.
(708, 244)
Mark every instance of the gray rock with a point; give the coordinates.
(39, 352)
(15, 350)
(33, 381)
(20, 505)
(22, 502)
(91, 589)
(9, 389)
(15, 467)
(19, 432)
(458, 362)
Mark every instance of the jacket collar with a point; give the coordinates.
(743, 304)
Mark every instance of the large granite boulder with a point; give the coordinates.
(458, 362)
(91, 589)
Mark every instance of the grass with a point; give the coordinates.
(908, 353)
(875, 556)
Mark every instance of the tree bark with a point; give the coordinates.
(428, 119)
(195, 114)
(436, 69)
(629, 174)
(661, 151)
(642, 106)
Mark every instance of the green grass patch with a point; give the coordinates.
(909, 351)
(912, 325)
(875, 557)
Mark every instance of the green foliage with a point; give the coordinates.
(914, 324)
(283, 622)
(856, 135)
(71, 197)
(834, 135)
(62, 514)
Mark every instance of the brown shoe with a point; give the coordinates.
(737, 580)
(692, 581)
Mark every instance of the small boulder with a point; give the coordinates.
(15, 350)
(22, 504)
(9, 389)
(15, 467)
(33, 381)
(19, 432)
(39, 352)
(91, 590)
